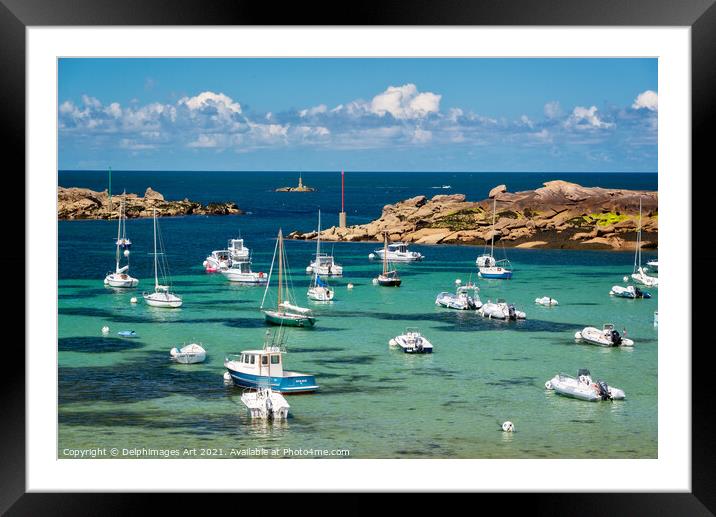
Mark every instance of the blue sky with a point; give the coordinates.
(581, 115)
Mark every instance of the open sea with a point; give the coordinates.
(373, 401)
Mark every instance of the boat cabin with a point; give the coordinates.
(237, 249)
(324, 259)
(264, 363)
(241, 267)
(220, 254)
(398, 247)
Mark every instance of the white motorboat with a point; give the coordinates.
(547, 301)
(323, 264)
(412, 342)
(397, 252)
(241, 272)
(162, 295)
(266, 404)
(501, 311)
(488, 267)
(121, 278)
(629, 291)
(188, 354)
(219, 260)
(583, 387)
(639, 274)
(653, 265)
(466, 297)
(607, 336)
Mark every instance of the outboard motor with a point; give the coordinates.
(638, 292)
(419, 345)
(511, 311)
(604, 390)
(616, 338)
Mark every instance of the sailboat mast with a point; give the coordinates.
(280, 267)
(492, 240)
(119, 227)
(639, 235)
(318, 237)
(156, 275)
(385, 253)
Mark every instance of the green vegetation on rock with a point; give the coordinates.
(605, 219)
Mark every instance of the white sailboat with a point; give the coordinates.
(389, 277)
(639, 275)
(323, 264)
(286, 312)
(319, 290)
(162, 295)
(121, 277)
(486, 263)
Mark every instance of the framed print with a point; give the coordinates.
(444, 238)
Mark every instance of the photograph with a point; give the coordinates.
(357, 258)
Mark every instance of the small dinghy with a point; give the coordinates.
(546, 301)
(127, 333)
(266, 404)
(501, 311)
(608, 336)
(188, 354)
(412, 342)
(583, 387)
(630, 291)
(462, 299)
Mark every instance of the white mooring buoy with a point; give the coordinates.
(508, 427)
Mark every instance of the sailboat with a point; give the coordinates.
(638, 273)
(324, 264)
(162, 295)
(389, 277)
(488, 266)
(286, 313)
(120, 277)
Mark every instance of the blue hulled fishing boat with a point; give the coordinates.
(264, 369)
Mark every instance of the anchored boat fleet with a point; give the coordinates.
(260, 371)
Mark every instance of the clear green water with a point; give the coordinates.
(373, 401)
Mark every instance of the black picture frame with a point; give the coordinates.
(699, 15)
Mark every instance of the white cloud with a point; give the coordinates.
(210, 101)
(552, 109)
(205, 141)
(525, 120)
(114, 109)
(91, 102)
(586, 118)
(404, 102)
(647, 100)
(421, 136)
(310, 112)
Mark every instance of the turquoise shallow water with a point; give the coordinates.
(374, 402)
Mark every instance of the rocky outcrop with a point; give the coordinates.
(558, 215)
(82, 203)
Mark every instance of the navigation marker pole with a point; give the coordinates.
(342, 215)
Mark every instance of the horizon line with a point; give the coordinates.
(362, 171)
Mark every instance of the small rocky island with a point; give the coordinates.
(558, 215)
(300, 188)
(83, 203)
